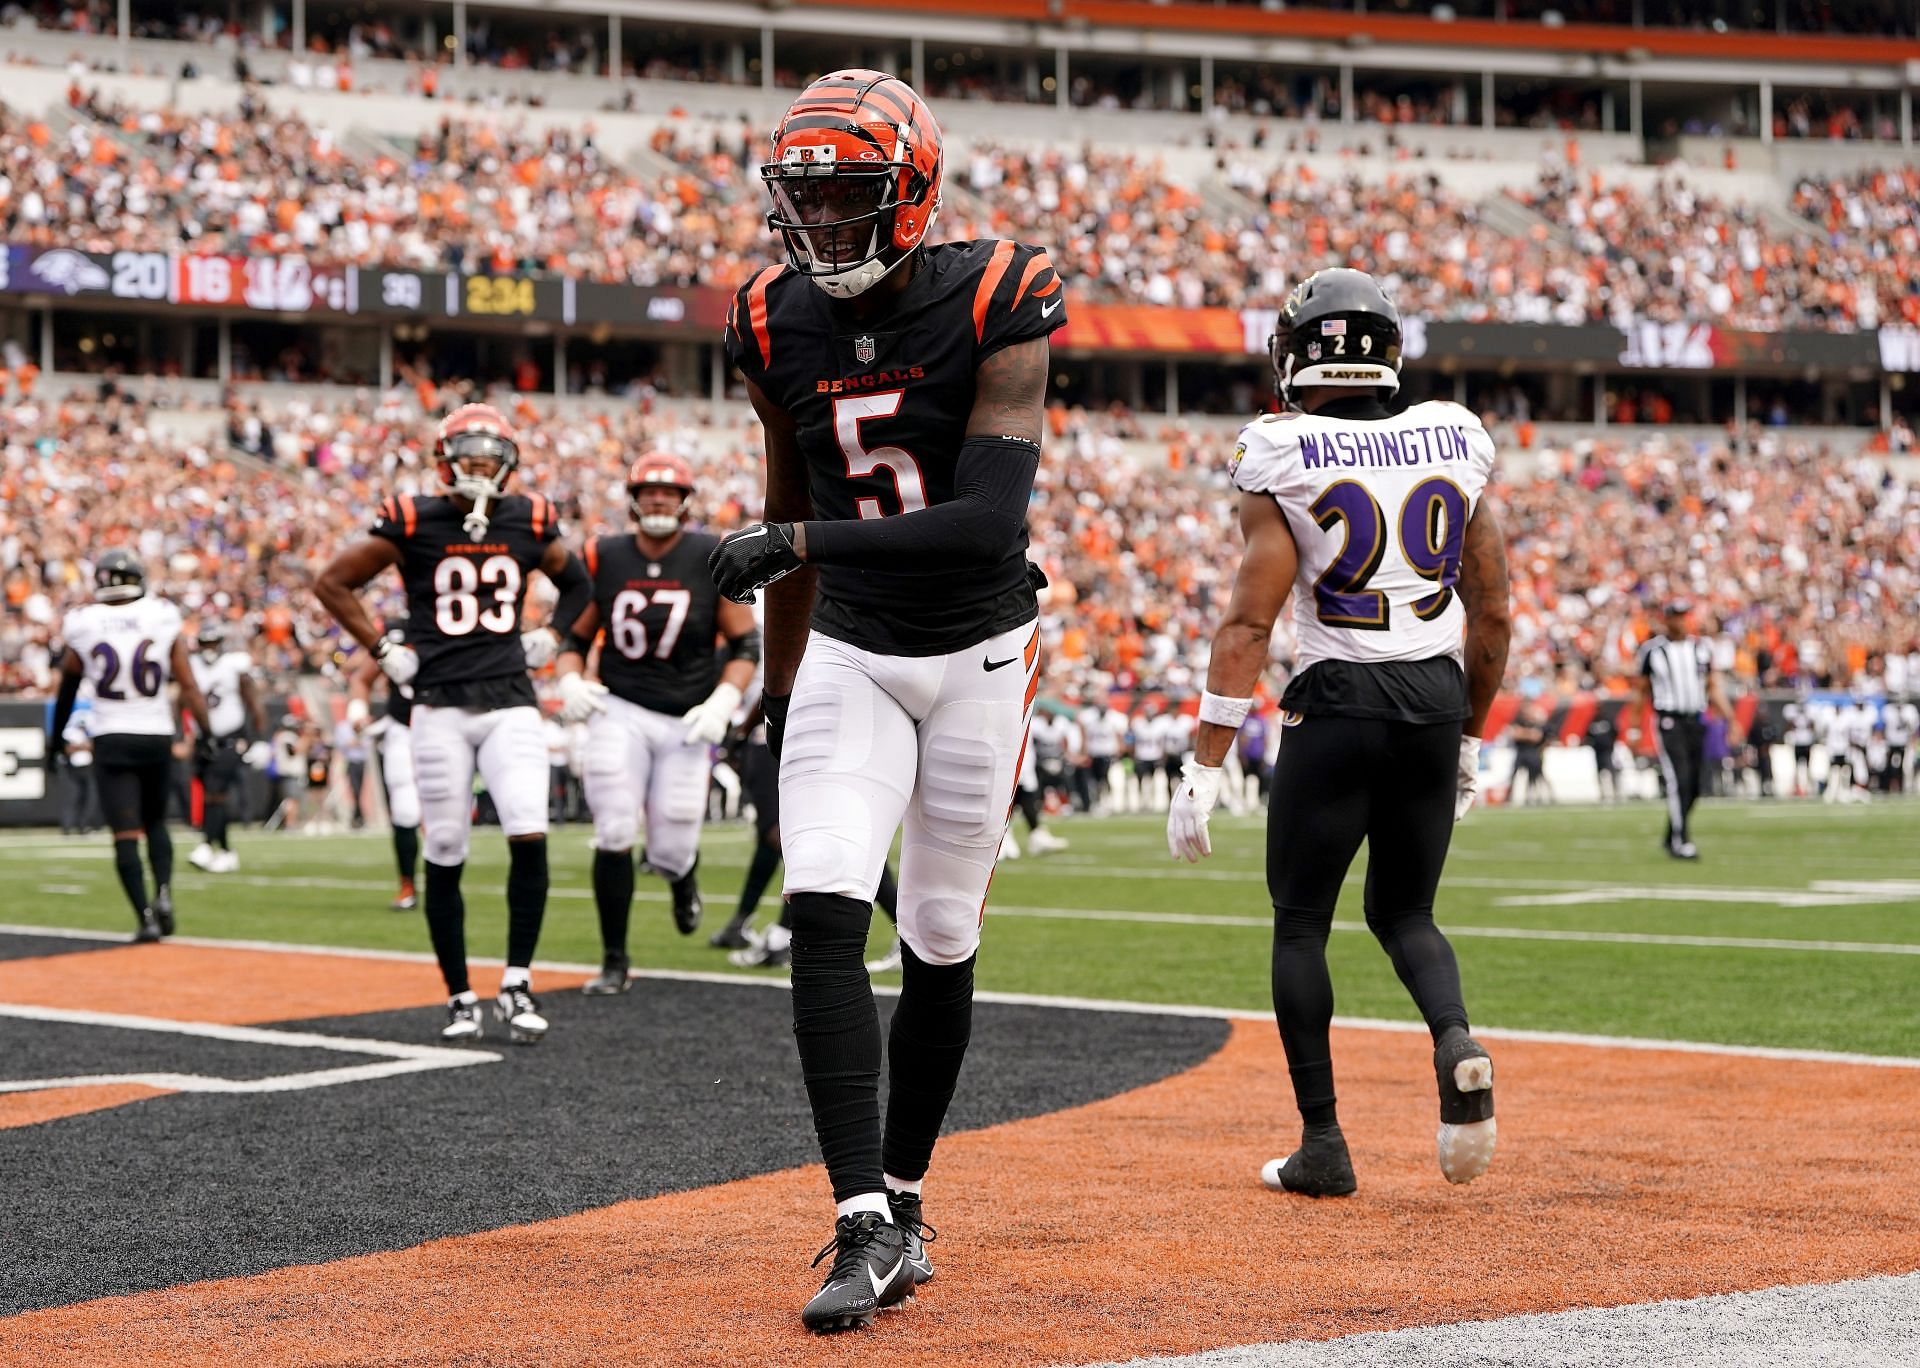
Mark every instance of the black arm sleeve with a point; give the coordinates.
(745, 647)
(992, 484)
(576, 592)
(62, 712)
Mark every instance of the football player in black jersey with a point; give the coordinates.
(669, 701)
(901, 387)
(394, 733)
(464, 558)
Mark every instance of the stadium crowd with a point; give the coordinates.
(484, 194)
(1804, 566)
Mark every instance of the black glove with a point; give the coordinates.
(749, 560)
(775, 708)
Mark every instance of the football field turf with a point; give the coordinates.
(1799, 927)
(228, 1150)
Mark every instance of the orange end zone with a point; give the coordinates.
(1138, 1226)
(50, 1104)
(233, 987)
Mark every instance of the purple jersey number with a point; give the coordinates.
(1433, 531)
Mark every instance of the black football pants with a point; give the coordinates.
(1339, 781)
(1683, 762)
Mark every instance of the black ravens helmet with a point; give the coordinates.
(1337, 328)
(118, 577)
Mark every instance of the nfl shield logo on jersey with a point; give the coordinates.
(863, 350)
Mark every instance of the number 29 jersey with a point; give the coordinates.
(880, 411)
(465, 594)
(1379, 510)
(127, 649)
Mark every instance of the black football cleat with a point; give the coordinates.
(1467, 1131)
(520, 1011)
(611, 979)
(687, 906)
(869, 1273)
(732, 936)
(149, 931)
(163, 909)
(914, 1232)
(1321, 1167)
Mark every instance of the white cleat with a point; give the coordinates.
(888, 963)
(517, 1008)
(1009, 848)
(463, 1021)
(1044, 842)
(1464, 1143)
(204, 857)
(225, 862)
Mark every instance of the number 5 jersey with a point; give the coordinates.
(1379, 511)
(127, 649)
(465, 594)
(880, 409)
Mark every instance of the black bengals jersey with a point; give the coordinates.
(881, 410)
(659, 619)
(464, 594)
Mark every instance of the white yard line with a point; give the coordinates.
(398, 1057)
(1043, 1000)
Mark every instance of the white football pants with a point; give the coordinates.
(509, 746)
(639, 767)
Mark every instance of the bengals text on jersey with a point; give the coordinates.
(465, 594)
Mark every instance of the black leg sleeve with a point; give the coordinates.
(760, 871)
(838, 1034)
(526, 898)
(133, 877)
(154, 782)
(1314, 826)
(925, 1048)
(447, 924)
(613, 896)
(406, 850)
(1407, 839)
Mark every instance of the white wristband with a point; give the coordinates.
(1224, 712)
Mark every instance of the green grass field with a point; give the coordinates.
(1564, 919)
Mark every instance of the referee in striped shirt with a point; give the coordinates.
(1677, 678)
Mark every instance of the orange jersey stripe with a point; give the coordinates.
(757, 312)
(408, 513)
(593, 556)
(1047, 288)
(539, 515)
(1034, 268)
(989, 282)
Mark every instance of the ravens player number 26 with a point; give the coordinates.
(464, 558)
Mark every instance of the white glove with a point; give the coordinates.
(1193, 801)
(707, 721)
(542, 644)
(399, 663)
(580, 697)
(358, 714)
(259, 754)
(1468, 783)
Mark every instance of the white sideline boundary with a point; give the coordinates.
(1076, 1004)
(398, 1057)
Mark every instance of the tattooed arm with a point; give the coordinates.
(993, 482)
(1484, 592)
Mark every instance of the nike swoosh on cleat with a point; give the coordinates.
(996, 664)
(880, 1284)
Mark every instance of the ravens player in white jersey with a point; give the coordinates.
(131, 647)
(1375, 522)
(233, 701)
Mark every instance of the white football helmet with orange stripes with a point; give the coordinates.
(477, 455)
(855, 179)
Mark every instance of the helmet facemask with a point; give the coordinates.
(840, 219)
(658, 524)
(476, 466)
